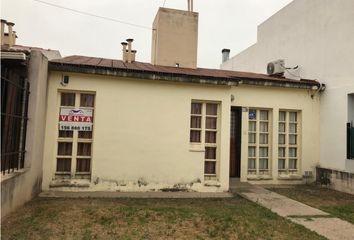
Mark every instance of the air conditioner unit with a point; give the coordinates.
(276, 67)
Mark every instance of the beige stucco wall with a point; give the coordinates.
(19, 187)
(141, 131)
(175, 38)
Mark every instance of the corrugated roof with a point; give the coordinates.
(49, 53)
(206, 73)
(20, 48)
(94, 62)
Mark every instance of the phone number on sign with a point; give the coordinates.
(79, 128)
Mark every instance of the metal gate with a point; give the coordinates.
(14, 107)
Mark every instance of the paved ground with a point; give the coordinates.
(61, 194)
(312, 218)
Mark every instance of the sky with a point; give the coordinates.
(222, 24)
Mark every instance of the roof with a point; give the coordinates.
(49, 53)
(20, 48)
(105, 66)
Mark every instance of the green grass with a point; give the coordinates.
(338, 204)
(343, 211)
(234, 218)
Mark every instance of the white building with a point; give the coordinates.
(317, 36)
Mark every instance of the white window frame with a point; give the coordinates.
(286, 146)
(75, 140)
(257, 145)
(202, 144)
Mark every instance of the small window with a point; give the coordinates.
(65, 134)
(83, 165)
(87, 100)
(67, 99)
(63, 164)
(83, 149)
(85, 134)
(65, 148)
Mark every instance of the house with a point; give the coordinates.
(94, 124)
(317, 36)
(23, 90)
(124, 125)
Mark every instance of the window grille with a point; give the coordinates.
(14, 108)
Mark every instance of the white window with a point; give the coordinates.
(288, 142)
(74, 149)
(204, 131)
(258, 142)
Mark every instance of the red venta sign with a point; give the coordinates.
(75, 119)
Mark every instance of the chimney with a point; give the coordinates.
(124, 51)
(14, 38)
(12, 35)
(225, 54)
(175, 37)
(129, 40)
(190, 5)
(133, 55)
(3, 22)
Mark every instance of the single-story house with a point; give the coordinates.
(133, 126)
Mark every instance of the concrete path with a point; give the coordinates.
(311, 218)
(104, 194)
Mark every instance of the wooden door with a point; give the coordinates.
(235, 142)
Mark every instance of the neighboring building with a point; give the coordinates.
(23, 93)
(318, 36)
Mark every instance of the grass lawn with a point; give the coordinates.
(234, 218)
(336, 203)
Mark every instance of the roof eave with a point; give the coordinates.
(174, 77)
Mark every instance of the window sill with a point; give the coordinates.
(259, 177)
(196, 148)
(63, 173)
(212, 183)
(290, 177)
(14, 174)
(76, 183)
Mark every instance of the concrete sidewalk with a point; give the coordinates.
(297, 212)
(105, 194)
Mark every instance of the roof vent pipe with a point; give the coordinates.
(190, 5)
(124, 56)
(129, 40)
(12, 35)
(225, 54)
(133, 55)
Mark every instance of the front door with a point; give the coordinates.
(235, 142)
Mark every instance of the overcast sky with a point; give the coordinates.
(222, 24)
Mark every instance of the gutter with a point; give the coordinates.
(13, 55)
(173, 77)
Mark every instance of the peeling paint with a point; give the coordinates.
(142, 182)
(139, 185)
